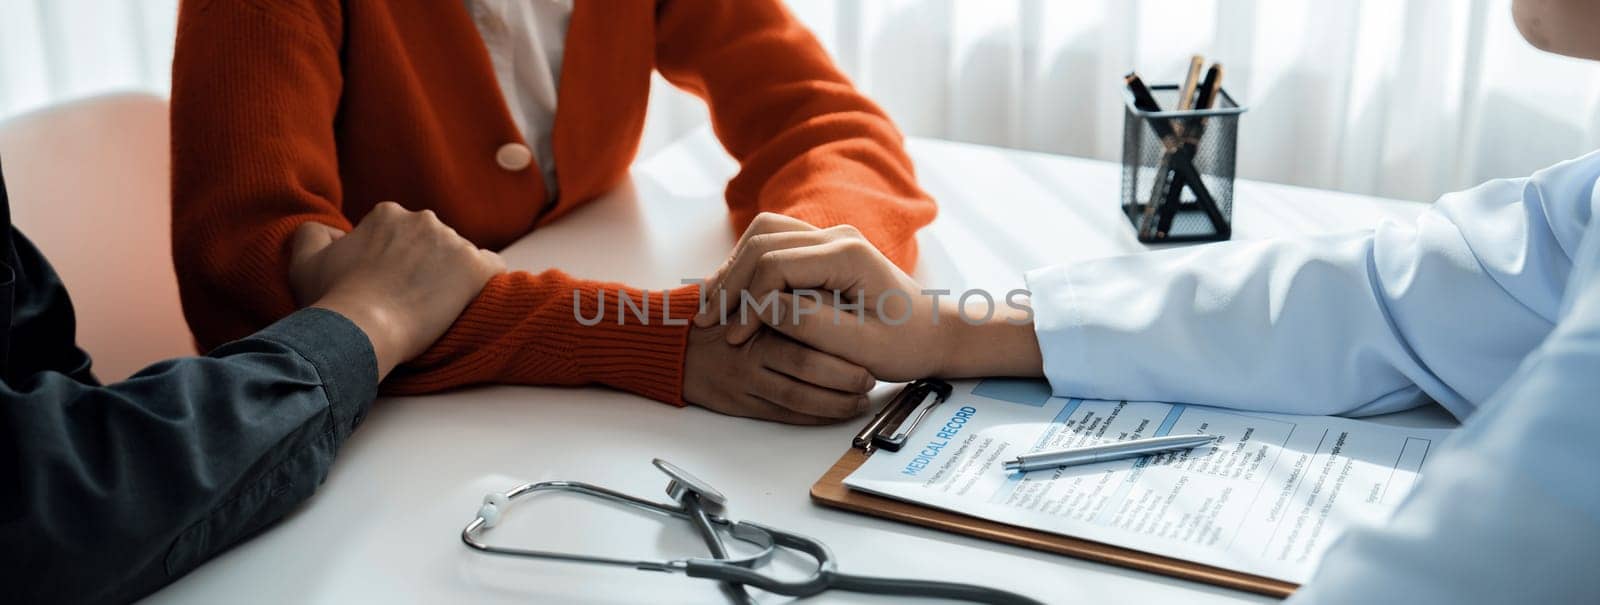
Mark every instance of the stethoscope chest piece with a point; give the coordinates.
(693, 500)
(683, 483)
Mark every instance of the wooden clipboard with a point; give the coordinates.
(830, 490)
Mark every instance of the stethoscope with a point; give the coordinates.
(700, 504)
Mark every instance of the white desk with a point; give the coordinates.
(384, 527)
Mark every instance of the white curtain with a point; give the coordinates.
(1406, 99)
(1400, 98)
(57, 50)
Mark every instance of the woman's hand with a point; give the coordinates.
(771, 377)
(764, 374)
(403, 277)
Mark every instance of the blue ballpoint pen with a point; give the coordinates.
(1109, 451)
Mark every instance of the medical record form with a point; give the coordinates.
(1266, 499)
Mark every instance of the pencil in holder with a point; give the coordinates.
(1179, 188)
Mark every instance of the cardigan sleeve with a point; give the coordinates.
(255, 100)
(808, 144)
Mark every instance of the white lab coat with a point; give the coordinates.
(1489, 304)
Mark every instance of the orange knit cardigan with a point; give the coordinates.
(288, 111)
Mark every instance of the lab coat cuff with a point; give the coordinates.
(1057, 323)
(342, 355)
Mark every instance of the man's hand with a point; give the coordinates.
(771, 377)
(403, 277)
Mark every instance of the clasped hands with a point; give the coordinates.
(800, 322)
(404, 276)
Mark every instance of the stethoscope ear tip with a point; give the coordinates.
(493, 504)
(741, 570)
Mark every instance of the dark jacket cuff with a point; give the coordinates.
(342, 355)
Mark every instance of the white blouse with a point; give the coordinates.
(525, 39)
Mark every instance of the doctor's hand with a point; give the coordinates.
(769, 231)
(770, 377)
(402, 277)
(843, 296)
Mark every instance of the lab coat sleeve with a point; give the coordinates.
(114, 491)
(1364, 323)
(1509, 509)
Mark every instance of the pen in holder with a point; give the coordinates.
(1183, 163)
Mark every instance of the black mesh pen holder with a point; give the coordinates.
(1159, 194)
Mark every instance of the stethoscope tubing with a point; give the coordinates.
(828, 578)
(743, 532)
(738, 573)
(702, 524)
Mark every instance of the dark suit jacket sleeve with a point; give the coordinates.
(109, 492)
(42, 327)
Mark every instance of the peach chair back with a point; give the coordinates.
(89, 184)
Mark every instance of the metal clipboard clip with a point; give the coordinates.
(895, 423)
